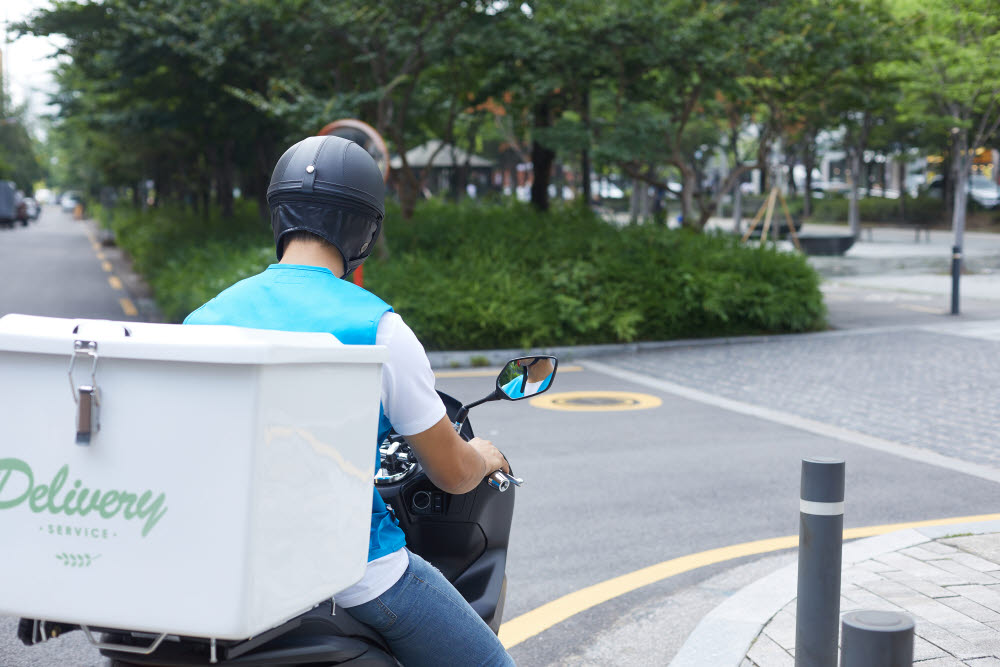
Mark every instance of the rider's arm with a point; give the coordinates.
(454, 465)
(416, 411)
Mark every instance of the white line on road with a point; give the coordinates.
(819, 428)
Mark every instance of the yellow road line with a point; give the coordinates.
(95, 245)
(114, 282)
(485, 372)
(536, 621)
(100, 255)
(128, 306)
(106, 265)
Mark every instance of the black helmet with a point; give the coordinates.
(330, 187)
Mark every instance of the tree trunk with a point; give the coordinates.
(408, 193)
(633, 202)
(809, 162)
(901, 175)
(689, 182)
(962, 164)
(853, 209)
(224, 180)
(541, 160)
(962, 159)
(737, 208)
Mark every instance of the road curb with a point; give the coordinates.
(566, 353)
(726, 633)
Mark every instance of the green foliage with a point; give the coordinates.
(187, 257)
(487, 276)
(18, 153)
(476, 276)
(919, 211)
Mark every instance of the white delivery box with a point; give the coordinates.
(217, 481)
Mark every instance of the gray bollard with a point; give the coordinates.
(821, 537)
(877, 639)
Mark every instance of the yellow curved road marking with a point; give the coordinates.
(616, 401)
(486, 372)
(536, 621)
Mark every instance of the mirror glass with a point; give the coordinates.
(526, 376)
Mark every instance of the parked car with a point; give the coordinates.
(982, 190)
(8, 203)
(33, 209)
(69, 201)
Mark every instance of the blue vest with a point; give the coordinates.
(290, 297)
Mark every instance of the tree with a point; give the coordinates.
(952, 85)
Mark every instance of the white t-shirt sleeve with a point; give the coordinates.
(408, 397)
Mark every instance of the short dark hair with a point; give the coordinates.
(300, 235)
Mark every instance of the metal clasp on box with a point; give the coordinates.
(87, 397)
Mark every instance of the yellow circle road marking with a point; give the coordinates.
(536, 621)
(596, 401)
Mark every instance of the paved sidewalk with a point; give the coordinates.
(946, 577)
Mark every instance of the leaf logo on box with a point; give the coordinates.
(77, 560)
(17, 485)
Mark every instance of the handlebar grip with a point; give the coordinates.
(498, 481)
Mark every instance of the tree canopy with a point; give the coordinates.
(200, 98)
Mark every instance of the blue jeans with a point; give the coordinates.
(426, 621)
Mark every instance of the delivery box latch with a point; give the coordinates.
(86, 396)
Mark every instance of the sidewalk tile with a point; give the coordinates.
(947, 641)
(765, 652)
(923, 553)
(975, 562)
(875, 566)
(971, 609)
(986, 643)
(965, 572)
(939, 548)
(859, 575)
(922, 570)
(942, 615)
(988, 596)
(924, 650)
(927, 588)
(940, 662)
(864, 599)
(893, 590)
(781, 629)
(984, 662)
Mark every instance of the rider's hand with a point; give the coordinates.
(491, 455)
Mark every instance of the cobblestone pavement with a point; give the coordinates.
(918, 386)
(951, 588)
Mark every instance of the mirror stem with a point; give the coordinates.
(463, 412)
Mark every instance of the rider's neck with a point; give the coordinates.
(313, 253)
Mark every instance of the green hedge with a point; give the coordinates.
(471, 275)
(921, 210)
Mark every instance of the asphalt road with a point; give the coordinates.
(610, 492)
(53, 268)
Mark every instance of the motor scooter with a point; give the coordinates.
(464, 536)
